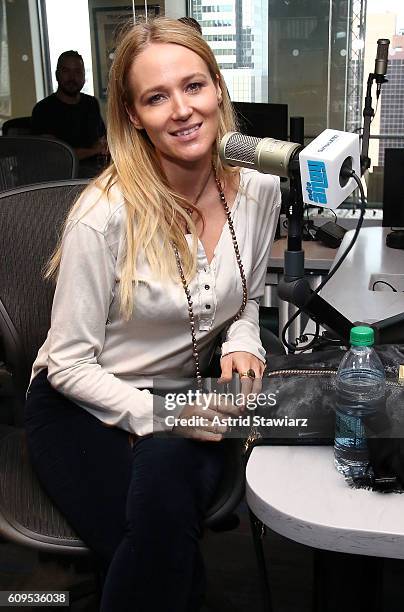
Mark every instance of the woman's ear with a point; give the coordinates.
(218, 90)
(133, 118)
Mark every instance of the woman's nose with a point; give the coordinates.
(181, 108)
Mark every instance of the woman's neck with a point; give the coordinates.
(187, 180)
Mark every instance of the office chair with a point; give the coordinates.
(19, 126)
(30, 222)
(25, 160)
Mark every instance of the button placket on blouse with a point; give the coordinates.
(207, 301)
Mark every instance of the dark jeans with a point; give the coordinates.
(140, 509)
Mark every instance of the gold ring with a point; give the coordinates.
(250, 373)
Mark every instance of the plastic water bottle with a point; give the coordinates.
(360, 383)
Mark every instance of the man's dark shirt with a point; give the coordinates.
(80, 125)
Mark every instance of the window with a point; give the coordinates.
(233, 24)
(287, 52)
(69, 28)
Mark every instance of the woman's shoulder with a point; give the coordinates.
(257, 183)
(100, 206)
(263, 189)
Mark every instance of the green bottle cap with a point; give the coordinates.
(362, 335)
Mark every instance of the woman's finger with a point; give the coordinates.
(226, 364)
(246, 383)
(257, 385)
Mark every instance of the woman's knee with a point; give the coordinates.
(173, 479)
(176, 459)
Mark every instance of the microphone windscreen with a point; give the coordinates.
(267, 155)
(239, 148)
(383, 48)
(382, 56)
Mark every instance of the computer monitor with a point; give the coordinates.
(393, 188)
(262, 119)
(393, 197)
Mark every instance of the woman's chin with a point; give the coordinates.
(190, 157)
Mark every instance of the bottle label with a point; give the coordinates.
(349, 431)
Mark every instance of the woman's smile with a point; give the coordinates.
(187, 133)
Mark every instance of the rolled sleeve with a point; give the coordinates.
(83, 295)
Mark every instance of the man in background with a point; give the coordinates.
(72, 116)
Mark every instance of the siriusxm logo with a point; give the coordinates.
(316, 188)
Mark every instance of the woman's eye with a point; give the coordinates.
(194, 87)
(155, 99)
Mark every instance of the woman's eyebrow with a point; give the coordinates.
(189, 77)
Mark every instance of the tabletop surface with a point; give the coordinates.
(317, 256)
(298, 493)
(350, 289)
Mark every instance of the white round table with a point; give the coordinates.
(297, 492)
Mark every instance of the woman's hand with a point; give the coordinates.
(205, 420)
(244, 364)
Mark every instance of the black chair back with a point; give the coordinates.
(31, 220)
(25, 160)
(19, 126)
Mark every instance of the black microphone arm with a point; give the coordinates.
(294, 286)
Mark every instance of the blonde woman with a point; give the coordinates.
(163, 253)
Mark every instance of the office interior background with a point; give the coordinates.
(314, 55)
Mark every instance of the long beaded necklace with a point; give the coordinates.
(187, 292)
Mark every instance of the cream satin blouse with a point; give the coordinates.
(102, 362)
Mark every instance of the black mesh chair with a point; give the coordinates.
(19, 126)
(30, 221)
(25, 160)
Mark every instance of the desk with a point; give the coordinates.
(349, 291)
(318, 260)
(297, 492)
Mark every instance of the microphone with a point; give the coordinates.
(381, 58)
(321, 164)
(379, 75)
(267, 155)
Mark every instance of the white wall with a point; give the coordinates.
(176, 8)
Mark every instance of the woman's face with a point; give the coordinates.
(176, 101)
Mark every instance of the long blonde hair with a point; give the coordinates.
(153, 210)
